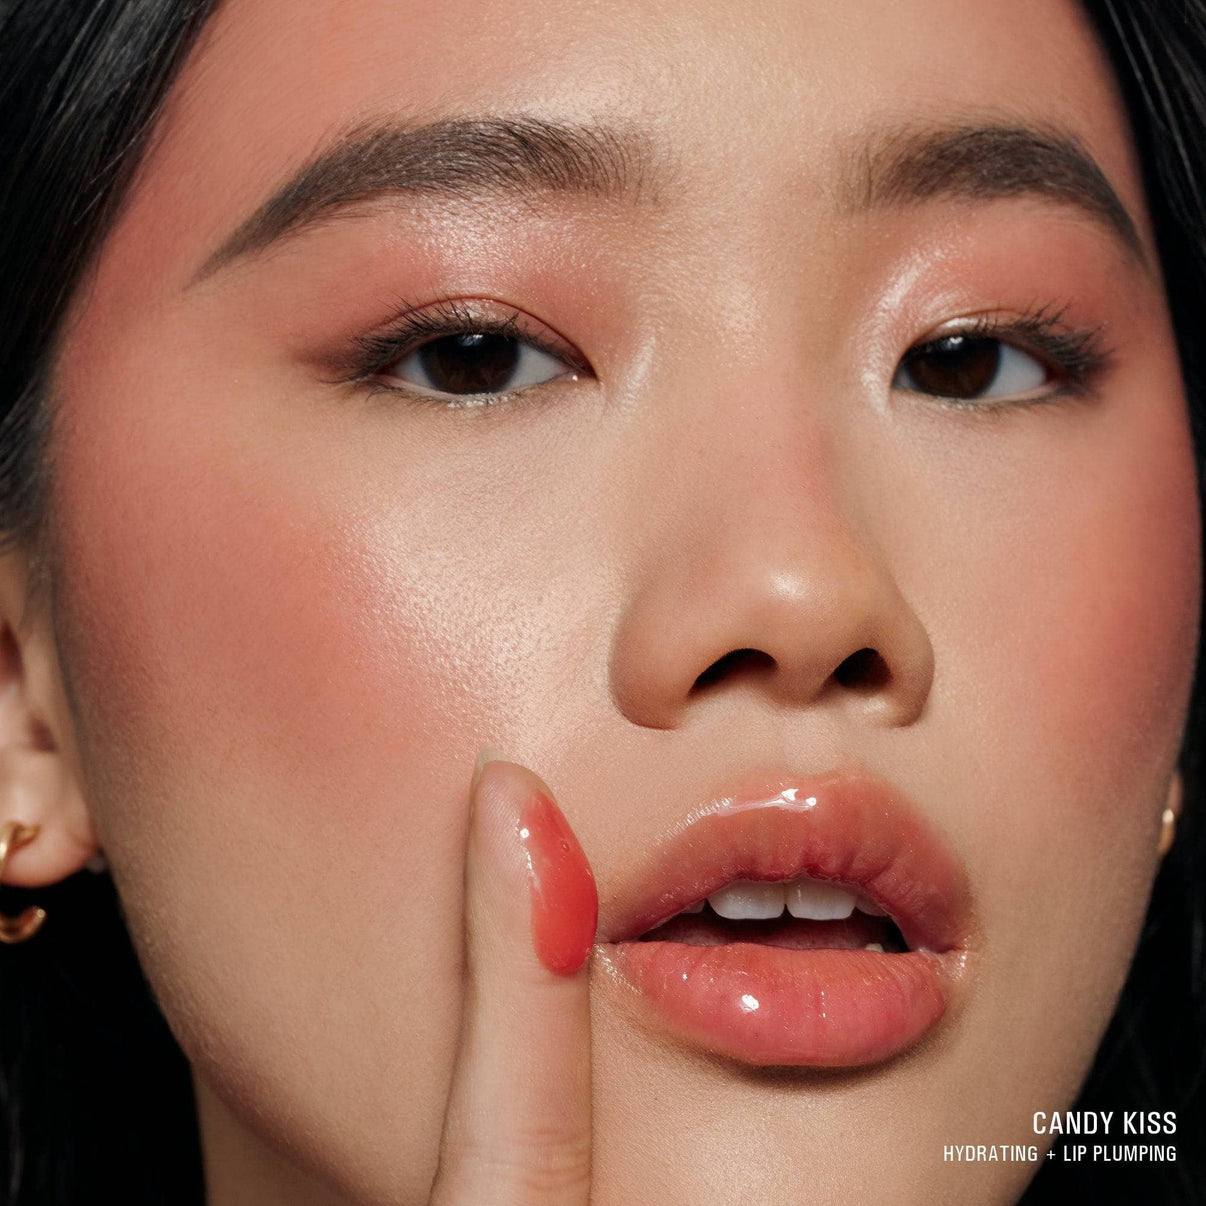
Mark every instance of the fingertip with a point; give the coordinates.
(565, 901)
(515, 814)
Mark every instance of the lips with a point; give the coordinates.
(805, 999)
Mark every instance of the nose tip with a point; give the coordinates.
(831, 630)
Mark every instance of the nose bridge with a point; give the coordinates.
(755, 571)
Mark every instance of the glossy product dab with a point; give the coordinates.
(565, 902)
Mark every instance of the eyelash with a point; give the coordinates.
(417, 326)
(1078, 355)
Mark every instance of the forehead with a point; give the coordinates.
(741, 99)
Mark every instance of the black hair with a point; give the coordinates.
(1153, 1056)
(95, 1096)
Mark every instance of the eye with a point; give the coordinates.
(461, 352)
(966, 367)
(475, 363)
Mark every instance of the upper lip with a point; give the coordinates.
(850, 828)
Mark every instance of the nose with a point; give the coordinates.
(769, 589)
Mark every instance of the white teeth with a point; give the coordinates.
(874, 946)
(816, 901)
(805, 898)
(748, 900)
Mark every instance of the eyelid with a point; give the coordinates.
(1042, 330)
(1077, 355)
(414, 325)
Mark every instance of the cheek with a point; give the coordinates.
(1124, 604)
(217, 614)
(259, 633)
(221, 599)
(1065, 650)
(278, 724)
(1073, 626)
(1054, 557)
(1085, 617)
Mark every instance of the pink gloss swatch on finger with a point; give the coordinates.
(565, 902)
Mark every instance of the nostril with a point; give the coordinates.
(863, 670)
(735, 662)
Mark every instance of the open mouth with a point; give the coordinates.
(800, 915)
(817, 923)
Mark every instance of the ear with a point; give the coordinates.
(39, 779)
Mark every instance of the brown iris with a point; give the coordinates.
(473, 362)
(955, 366)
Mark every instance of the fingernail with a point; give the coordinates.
(485, 754)
(565, 901)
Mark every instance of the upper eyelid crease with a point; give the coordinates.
(1042, 325)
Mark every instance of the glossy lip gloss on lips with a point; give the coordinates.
(795, 1002)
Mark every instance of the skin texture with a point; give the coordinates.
(286, 612)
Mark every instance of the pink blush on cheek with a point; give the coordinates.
(215, 611)
(1134, 597)
(280, 769)
(1091, 644)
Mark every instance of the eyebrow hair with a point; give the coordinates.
(459, 158)
(986, 163)
(524, 156)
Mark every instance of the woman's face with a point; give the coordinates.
(300, 581)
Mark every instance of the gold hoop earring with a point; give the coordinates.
(18, 929)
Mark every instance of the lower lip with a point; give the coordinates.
(766, 1005)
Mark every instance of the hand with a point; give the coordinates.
(517, 1126)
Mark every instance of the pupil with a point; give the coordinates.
(470, 363)
(957, 366)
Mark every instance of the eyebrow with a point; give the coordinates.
(522, 157)
(987, 163)
(461, 158)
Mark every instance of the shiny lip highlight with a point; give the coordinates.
(762, 1004)
(848, 829)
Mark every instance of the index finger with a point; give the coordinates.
(517, 1127)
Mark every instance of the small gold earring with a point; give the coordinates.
(18, 929)
(1168, 819)
(1168, 831)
